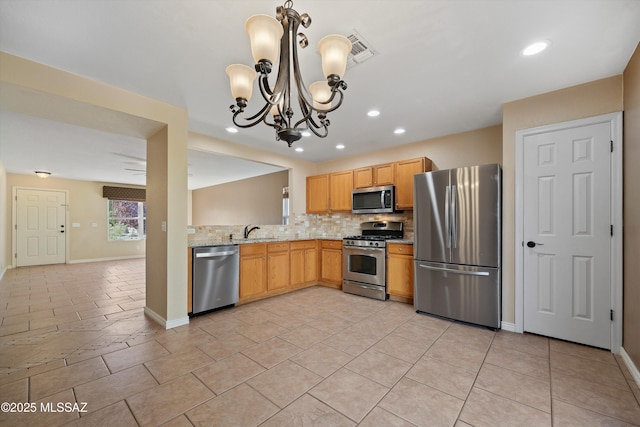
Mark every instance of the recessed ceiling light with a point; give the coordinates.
(536, 47)
(232, 130)
(299, 149)
(340, 146)
(373, 113)
(306, 133)
(399, 131)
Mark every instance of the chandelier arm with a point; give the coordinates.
(306, 113)
(311, 123)
(333, 94)
(263, 85)
(303, 93)
(253, 120)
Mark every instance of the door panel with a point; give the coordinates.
(40, 227)
(476, 205)
(431, 238)
(470, 294)
(567, 217)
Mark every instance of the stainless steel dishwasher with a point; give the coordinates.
(215, 277)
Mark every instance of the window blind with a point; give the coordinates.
(124, 193)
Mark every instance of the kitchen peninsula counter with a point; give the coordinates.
(222, 242)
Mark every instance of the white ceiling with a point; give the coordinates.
(442, 67)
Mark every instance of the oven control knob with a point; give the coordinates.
(376, 244)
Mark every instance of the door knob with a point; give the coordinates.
(532, 244)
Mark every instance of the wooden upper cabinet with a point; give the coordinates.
(318, 194)
(405, 170)
(340, 190)
(333, 192)
(384, 174)
(374, 176)
(363, 177)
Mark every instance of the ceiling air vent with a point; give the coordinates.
(361, 50)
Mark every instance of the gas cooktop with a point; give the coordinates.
(374, 233)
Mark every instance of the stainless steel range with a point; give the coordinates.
(364, 258)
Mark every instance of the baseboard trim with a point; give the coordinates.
(167, 324)
(511, 327)
(2, 271)
(82, 261)
(630, 366)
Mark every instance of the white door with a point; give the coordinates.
(40, 227)
(567, 234)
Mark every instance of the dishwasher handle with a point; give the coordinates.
(215, 254)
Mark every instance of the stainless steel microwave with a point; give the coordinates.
(373, 200)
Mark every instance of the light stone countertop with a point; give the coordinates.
(223, 242)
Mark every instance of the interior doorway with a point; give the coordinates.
(569, 231)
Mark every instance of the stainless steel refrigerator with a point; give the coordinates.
(457, 253)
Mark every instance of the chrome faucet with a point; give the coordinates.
(248, 230)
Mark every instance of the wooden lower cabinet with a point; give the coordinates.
(400, 270)
(278, 265)
(304, 262)
(331, 262)
(253, 270)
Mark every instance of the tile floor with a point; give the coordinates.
(77, 334)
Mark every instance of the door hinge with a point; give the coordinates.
(611, 314)
(612, 146)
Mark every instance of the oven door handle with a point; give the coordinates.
(363, 248)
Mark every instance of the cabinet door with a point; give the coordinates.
(363, 178)
(253, 278)
(384, 175)
(310, 265)
(400, 275)
(331, 269)
(404, 181)
(297, 267)
(318, 194)
(278, 265)
(340, 190)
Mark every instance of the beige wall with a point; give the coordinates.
(587, 100)
(481, 146)
(255, 201)
(631, 338)
(86, 206)
(5, 231)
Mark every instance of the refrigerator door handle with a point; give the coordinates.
(447, 216)
(454, 216)
(449, 270)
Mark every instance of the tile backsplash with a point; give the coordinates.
(302, 226)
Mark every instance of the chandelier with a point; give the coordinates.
(272, 36)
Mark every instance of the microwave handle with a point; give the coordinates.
(382, 204)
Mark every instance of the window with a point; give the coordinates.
(127, 220)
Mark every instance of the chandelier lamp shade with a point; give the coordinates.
(288, 105)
